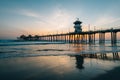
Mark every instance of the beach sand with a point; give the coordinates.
(57, 68)
(110, 75)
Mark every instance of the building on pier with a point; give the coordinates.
(77, 26)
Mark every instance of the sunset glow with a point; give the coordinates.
(38, 17)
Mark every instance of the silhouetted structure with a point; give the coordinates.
(79, 61)
(76, 37)
(77, 26)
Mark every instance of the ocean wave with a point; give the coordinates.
(7, 52)
(52, 50)
(1, 41)
(17, 54)
(28, 43)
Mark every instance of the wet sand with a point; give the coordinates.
(110, 75)
(57, 68)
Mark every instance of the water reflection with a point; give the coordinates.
(77, 47)
(79, 61)
(115, 52)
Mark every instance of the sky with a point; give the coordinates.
(40, 17)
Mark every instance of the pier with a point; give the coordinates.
(82, 37)
(78, 36)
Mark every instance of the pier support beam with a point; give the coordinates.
(91, 38)
(113, 37)
(101, 37)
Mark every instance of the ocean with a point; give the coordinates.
(42, 60)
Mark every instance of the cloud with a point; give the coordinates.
(61, 19)
(28, 13)
(106, 20)
(58, 19)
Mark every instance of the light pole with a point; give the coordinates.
(94, 28)
(89, 27)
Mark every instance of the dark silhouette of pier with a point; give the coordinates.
(78, 36)
(73, 37)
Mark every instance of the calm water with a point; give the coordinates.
(34, 60)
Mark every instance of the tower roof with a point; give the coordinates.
(77, 21)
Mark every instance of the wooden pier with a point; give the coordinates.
(82, 37)
(78, 36)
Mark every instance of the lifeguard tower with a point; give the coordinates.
(77, 26)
